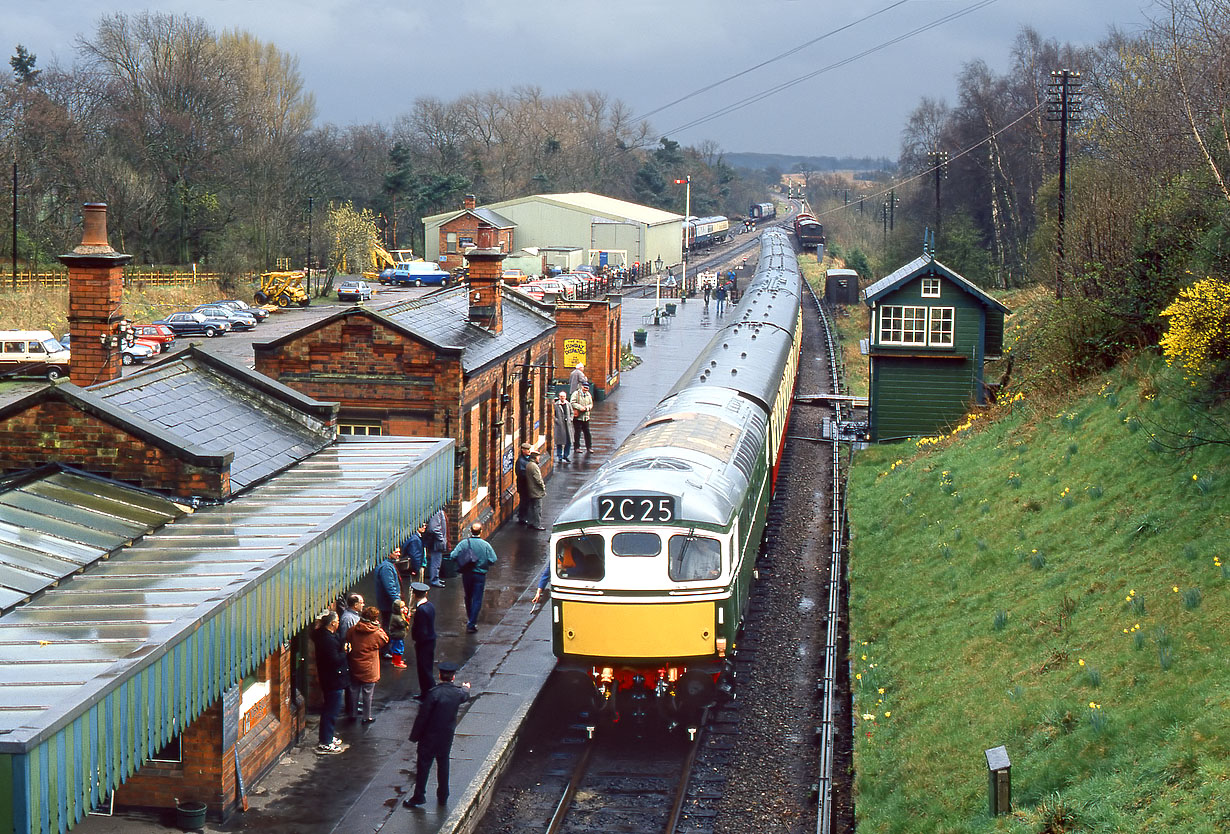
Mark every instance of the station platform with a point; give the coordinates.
(506, 662)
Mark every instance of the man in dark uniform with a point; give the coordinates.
(433, 730)
(423, 633)
(523, 461)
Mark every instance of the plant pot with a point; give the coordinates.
(640, 337)
(190, 816)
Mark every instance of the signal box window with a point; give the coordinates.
(581, 558)
(903, 325)
(941, 326)
(694, 558)
(931, 287)
(636, 544)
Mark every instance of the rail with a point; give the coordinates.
(828, 729)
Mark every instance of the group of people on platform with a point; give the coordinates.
(720, 289)
(352, 638)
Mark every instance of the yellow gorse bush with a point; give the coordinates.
(1199, 332)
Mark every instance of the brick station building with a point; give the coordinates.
(470, 362)
(165, 539)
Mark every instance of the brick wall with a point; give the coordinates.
(596, 323)
(380, 374)
(207, 772)
(54, 431)
(466, 226)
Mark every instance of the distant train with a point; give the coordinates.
(706, 231)
(808, 230)
(760, 212)
(651, 561)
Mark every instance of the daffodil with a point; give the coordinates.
(887, 714)
(867, 716)
(1081, 661)
(881, 690)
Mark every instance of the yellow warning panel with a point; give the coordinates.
(658, 630)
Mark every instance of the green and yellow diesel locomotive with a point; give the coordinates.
(652, 561)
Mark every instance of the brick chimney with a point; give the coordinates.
(95, 284)
(468, 202)
(486, 280)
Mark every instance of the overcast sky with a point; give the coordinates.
(367, 61)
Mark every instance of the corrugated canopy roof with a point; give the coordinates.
(56, 521)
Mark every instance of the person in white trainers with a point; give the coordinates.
(333, 673)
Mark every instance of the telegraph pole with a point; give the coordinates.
(939, 164)
(14, 220)
(307, 269)
(1063, 105)
(892, 208)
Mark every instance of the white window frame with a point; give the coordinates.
(931, 287)
(450, 243)
(897, 312)
(924, 321)
(938, 317)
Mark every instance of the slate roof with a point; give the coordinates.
(488, 216)
(926, 265)
(220, 406)
(442, 318)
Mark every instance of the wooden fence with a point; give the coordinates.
(28, 279)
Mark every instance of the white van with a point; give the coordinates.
(32, 353)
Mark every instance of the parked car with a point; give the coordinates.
(244, 307)
(354, 291)
(533, 289)
(419, 273)
(554, 286)
(32, 353)
(514, 276)
(195, 324)
(386, 275)
(158, 334)
(131, 352)
(239, 320)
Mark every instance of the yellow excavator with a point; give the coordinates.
(283, 289)
(383, 259)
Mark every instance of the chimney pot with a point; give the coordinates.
(95, 223)
(486, 237)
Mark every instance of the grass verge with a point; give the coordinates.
(1056, 582)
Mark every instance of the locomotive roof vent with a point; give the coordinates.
(673, 464)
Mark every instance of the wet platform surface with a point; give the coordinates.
(506, 662)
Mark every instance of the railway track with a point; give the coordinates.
(755, 765)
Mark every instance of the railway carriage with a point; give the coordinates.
(652, 561)
(707, 231)
(761, 212)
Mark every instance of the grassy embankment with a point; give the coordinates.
(1054, 579)
(47, 309)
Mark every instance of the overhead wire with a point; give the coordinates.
(768, 61)
(926, 172)
(785, 85)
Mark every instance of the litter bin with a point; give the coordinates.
(670, 309)
(640, 337)
(190, 816)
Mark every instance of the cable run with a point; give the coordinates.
(765, 63)
(752, 99)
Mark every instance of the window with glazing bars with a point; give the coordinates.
(903, 325)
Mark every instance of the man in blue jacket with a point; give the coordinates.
(388, 586)
(474, 556)
(434, 728)
(423, 633)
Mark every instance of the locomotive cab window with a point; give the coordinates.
(694, 558)
(581, 558)
(636, 544)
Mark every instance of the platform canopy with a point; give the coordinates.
(102, 671)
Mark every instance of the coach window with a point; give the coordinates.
(694, 558)
(580, 557)
(636, 544)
